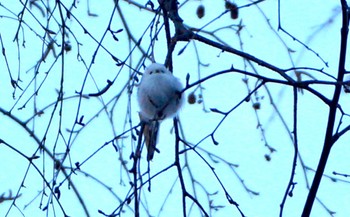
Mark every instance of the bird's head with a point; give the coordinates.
(156, 68)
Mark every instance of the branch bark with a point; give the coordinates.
(329, 140)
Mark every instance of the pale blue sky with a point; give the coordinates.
(240, 141)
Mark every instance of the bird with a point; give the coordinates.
(159, 96)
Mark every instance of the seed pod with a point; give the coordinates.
(233, 9)
(200, 11)
(256, 105)
(191, 98)
(67, 46)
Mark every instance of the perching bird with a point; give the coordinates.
(159, 96)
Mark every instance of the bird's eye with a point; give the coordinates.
(157, 71)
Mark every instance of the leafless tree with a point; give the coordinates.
(71, 141)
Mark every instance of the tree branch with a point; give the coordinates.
(329, 141)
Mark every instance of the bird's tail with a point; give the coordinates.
(151, 132)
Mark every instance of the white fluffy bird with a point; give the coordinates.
(159, 97)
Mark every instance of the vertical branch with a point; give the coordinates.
(136, 196)
(168, 61)
(178, 167)
(170, 11)
(329, 141)
(136, 156)
(291, 184)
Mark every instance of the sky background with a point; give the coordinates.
(241, 141)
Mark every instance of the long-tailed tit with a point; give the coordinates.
(159, 96)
